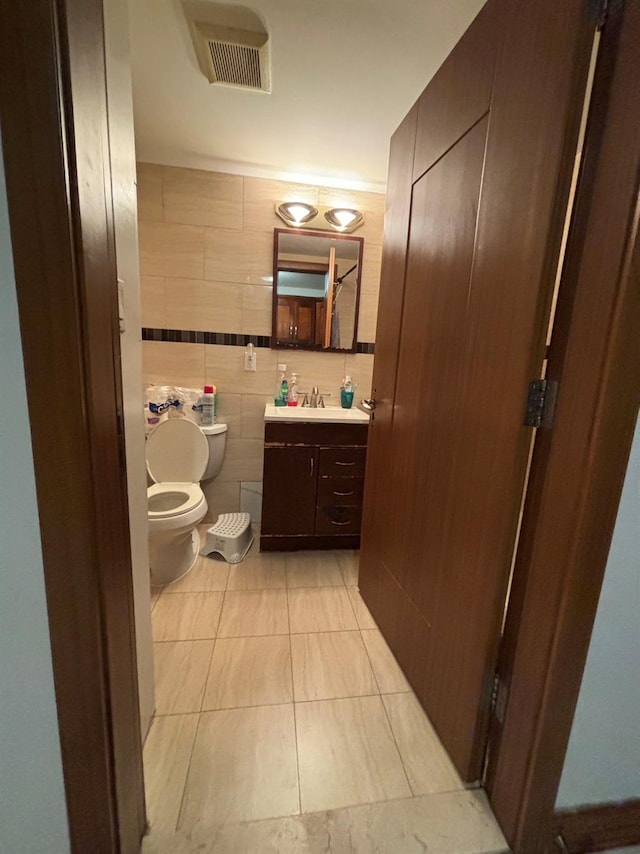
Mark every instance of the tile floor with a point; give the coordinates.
(283, 721)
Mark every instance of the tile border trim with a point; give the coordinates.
(225, 339)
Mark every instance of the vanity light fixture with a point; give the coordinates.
(296, 213)
(344, 219)
(322, 218)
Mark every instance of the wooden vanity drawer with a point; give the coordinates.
(343, 491)
(338, 520)
(342, 462)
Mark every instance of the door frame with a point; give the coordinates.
(53, 113)
(578, 465)
(65, 274)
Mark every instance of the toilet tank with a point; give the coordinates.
(217, 439)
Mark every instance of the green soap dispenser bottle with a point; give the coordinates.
(282, 387)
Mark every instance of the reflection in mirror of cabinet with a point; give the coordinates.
(316, 290)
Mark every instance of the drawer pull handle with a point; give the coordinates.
(338, 463)
(311, 467)
(333, 522)
(343, 493)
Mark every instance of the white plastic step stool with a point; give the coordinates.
(231, 537)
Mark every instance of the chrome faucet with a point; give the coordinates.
(315, 400)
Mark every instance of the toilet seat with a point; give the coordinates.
(177, 452)
(168, 500)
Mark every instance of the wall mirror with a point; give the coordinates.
(316, 290)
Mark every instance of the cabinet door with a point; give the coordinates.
(305, 321)
(289, 490)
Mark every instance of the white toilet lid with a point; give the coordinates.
(177, 452)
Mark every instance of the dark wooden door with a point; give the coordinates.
(289, 499)
(479, 180)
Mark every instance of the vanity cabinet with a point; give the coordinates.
(313, 486)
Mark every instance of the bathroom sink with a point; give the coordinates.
(328, 414)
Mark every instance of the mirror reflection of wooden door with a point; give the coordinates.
(479, 178)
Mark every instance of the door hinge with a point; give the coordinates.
(499, 696)
(541, 403)
(603, 13)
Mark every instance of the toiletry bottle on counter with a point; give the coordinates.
(292, 399)
(208, 411)
(278, 399)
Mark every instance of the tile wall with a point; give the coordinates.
(206, 247)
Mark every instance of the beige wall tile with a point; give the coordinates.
(326, 370)
(426, 762)
(368, 317)
(257, 309)
(371, 263)
(242, 460)
(169, 363)
(167, 752)
(181, 669)
(372, 205)
(359, 366)
(152, 312)
(238, 256)
(167, 249)
(347, 754)
(243, 767)
(225, 368)
(329, 665)
(196, 197)
(253, 416)
(221, 498)
(203, 305)
(249, 672)
(261, 195)
(229, 412)
(149, 186)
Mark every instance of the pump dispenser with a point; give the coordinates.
(293, 391)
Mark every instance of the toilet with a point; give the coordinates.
(179, 455)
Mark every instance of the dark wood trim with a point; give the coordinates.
(599, 828)
(579, 464)
(53, 114)
(296, 543)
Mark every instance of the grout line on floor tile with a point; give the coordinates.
(186, 776)
(293, 695)
(395, 741)
(213, 649)
(386, 714)
(331, 699)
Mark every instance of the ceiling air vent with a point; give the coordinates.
(233, 57)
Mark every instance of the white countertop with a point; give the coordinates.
(328, 414)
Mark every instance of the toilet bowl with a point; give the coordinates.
(179, 455)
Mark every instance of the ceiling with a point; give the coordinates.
(344, 73)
